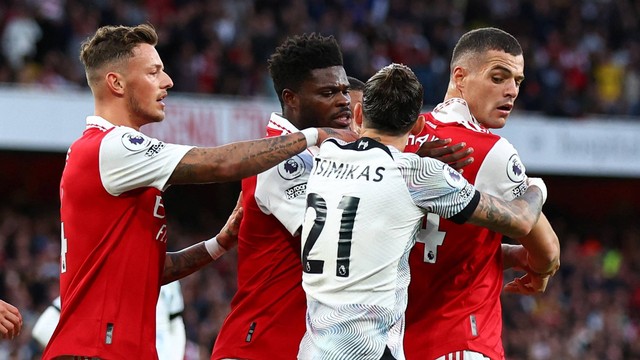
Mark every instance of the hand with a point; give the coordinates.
(517, 257)
(456, 156)
(228, 236)
(10, 321)
(528, 284)
(347, 135)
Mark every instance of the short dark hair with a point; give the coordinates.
(113, 43)
(481, 40)
(292, 62)
(392, 100)
(355, 83)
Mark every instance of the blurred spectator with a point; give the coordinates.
(584, 55)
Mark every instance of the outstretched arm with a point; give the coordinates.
(238, 160)
(187, 261)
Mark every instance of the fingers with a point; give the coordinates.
(10, 320)
(517, 286)
(454, 153)
(434, 144)
(457, 155)
(527, 285)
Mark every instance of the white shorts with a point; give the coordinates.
(463, 355)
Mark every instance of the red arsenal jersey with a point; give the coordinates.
(456, 270)
(113, 242)
(268, 310)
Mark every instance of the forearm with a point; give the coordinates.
(510, 255)
(237, 160)
(185, 262)
(543, 247)
(515, 218)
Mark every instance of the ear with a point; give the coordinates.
(418, 126)
(457, 76)
(357, 114)
(289, 99)
(115, 83)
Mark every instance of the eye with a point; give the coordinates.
(497, 79)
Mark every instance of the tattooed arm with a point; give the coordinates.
(515, 218)
(187, 261)
(245, 158)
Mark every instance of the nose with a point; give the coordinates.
(512, 89)
(167, 83)
(344, 99)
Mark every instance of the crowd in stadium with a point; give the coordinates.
(581, 57)
(578, 62)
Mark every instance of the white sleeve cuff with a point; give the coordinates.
(311, 134)
(214, 248)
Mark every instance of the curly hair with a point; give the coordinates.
(292, 62)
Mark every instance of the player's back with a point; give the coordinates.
(359, 226)
(454, 295)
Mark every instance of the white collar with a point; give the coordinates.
(94, 121)
(456, 110)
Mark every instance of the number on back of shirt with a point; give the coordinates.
(431, 237)
(349, 207)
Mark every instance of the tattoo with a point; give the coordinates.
(330, 132)
(237, 160)
(185, 262)
(510, 218)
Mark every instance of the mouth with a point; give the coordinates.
(343, 119)
(161, 98)
(505, 109)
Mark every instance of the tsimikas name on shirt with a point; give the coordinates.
(345, 171)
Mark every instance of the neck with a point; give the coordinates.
(115, 114)
(399, 142)
(452, 92)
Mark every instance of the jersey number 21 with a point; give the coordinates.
(349, 207)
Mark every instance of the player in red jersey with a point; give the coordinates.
(267, 312)
(454, 309)
(114, 230)
(267, 318)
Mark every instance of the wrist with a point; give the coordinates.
(214, 248)
(311, 135)
(542, 270)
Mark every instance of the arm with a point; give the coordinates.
(543, 248)
(246, 158)
(515, 218)
(10, 320)
(457, 156)
(539, 256)
(187, 261)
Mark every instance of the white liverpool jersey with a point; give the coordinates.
(365, 204)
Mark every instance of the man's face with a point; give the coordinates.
(146, 85)
(323, 100)
(491, 86)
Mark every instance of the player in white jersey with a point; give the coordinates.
(365, 204)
